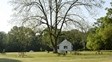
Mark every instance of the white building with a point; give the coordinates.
(64, 46)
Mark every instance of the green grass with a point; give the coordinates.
(85, 56)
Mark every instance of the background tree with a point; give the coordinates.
(94, 42)
(19, 38)
(2, 41)
(35, 44)
(52, 13)
(100, 38)
(105, 29)
(75, 37)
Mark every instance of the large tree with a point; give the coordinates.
(105, 29)
(19, 38)
(100, 36)
(53, 14)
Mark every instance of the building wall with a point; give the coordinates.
(65, 46)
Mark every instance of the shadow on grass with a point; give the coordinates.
(8, 60)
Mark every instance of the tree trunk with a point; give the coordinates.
(55, 49)
(55, 46)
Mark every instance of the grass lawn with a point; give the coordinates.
(85, 56)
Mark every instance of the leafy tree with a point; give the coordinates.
(52, 13)
(2, 41)
(100, 38)
(94, 42)
(19, 38)
(105, 29)
(35, 44)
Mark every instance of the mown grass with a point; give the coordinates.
(84, 56)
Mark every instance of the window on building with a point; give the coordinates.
(65, 47)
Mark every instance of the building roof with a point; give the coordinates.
(65, 41)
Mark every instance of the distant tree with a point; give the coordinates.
(75, 37)
(19, 38)
(53, 13)
(2, 41)
(35, 44)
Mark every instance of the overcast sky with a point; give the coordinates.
(6, 12)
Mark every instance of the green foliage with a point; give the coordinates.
(2, 41)
(20, 38)
(48, 38)
(94, 42)
(24, 39)
(75, 37)
(101, 37)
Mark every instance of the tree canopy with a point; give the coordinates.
(100, 37)
(20, 38)
(2, 41)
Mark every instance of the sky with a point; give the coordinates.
(6, 12)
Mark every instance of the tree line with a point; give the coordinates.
(20, 39)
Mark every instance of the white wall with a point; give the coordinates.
(65, 43)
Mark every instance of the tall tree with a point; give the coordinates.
(105, 29)
(53, 13)
(100, 37)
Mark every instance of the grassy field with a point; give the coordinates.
(50, 57)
